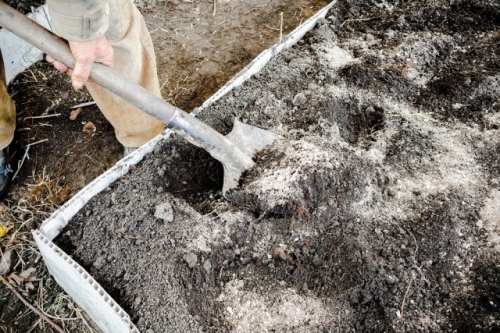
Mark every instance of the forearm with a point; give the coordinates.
(79, 20)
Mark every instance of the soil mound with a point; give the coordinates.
(376, 212)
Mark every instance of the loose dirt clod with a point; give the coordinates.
(74, 114)
(89, 128)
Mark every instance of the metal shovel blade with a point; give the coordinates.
(250, 140)
(235, 151)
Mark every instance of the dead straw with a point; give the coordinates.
(33, 308)
(83, 105)
(281, 26)
(360, 19)
(43, 116)
(404, 297)
(26, 155)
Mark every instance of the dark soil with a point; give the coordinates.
(377, 212)
(198, 50)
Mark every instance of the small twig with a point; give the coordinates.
(215, 7)
(83, 105)
(414, 257)
(26, 156)
(271, 28)
(13, 237)
(94, 160)
(220, 272)
(29, 305)
(281, 26)
(33, 75)
(361, 19)
(164, 83)
(218, 25)
(404, 297)
(52, 106)
(43, 116)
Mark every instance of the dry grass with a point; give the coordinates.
(29, 205)
(37, 191)
(48, 191)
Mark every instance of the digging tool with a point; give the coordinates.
(235, 151)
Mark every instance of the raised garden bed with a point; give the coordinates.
(376, 212)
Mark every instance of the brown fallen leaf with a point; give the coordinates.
(24, 280)
(75, 113)
(26, 274)
(89, 127)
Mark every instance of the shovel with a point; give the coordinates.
(235, 151)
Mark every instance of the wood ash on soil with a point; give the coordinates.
(376, 212)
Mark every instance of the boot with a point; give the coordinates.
(5, 172)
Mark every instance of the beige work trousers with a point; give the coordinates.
(7, 110)
(134, 60)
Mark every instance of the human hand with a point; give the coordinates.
(85, 54)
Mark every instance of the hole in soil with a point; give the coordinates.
(455, 89)
(483, 305)
(414, 146)
(358, 124)
(189, 173)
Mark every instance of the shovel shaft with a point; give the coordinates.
(58, 48)
(189, 127)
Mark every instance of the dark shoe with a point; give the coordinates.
(5, 172)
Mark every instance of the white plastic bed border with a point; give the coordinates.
(77, 282)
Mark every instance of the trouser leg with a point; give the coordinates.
(135, 60)
(7, 111)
